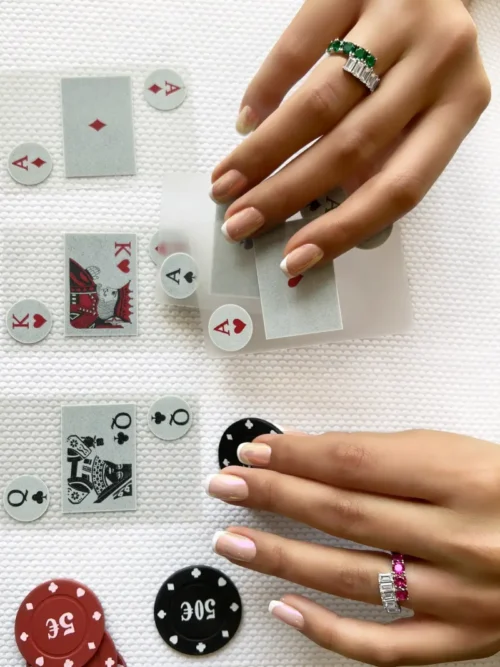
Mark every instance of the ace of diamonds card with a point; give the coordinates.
(98, 126)
(101, 285)
(98, 458)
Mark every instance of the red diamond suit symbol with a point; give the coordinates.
(97, 125)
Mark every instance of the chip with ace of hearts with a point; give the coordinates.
(230, 328)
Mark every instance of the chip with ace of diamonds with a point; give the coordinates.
(164, 90)
(243, 430)
(59, 624)
(29, 164)
(198, 610)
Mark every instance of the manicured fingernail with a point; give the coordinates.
(227, 187)
(247, 121)
(301, 259)
(287, 614)
(242, 224)
(254, 454)
(233, 546)
(226, 487)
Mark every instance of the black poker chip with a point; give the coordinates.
(198, 610)
(244, 430)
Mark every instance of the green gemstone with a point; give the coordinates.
(370, 60)
(348, 47)
(360, 53)
(337, 45)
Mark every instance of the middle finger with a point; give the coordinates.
(376, 521)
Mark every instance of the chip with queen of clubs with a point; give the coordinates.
(26, 498)
(242, 431)
(59, 624)
(170, 418)
(198, 610)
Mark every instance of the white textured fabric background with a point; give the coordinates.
(445, 375)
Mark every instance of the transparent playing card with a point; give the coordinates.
(372, 284)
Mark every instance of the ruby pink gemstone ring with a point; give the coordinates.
(399, 577)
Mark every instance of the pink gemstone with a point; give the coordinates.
(400, 582)
(401, 596)
(398, 568)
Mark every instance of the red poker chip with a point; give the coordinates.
(107, 655)
(59, 624)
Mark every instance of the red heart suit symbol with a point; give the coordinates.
(293, 282)
(124, 266)
(38, 321)
(238, 326)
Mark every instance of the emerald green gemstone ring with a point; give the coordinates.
(360, 62)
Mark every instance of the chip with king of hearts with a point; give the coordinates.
(243, 430)
(60, 623)
(198, 610)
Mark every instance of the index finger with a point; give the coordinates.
(395, 464)
(298, 49)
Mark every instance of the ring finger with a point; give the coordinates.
(350, 574)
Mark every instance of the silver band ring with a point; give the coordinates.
(387, 590)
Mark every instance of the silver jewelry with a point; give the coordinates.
(361, 71)
(387, 590)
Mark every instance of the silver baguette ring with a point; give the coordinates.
(360, 62)
(387, 590)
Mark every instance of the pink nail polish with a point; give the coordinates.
(243, 224)
(234, 546)
(226, 487)
(247, 121)
(287, 614)
(229, 186)
(254, 454)
(301, 259)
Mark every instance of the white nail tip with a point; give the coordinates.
(225, 234)
(284, 268)
(273, 604)
(206, 483)
(216, 538)
(242, 459)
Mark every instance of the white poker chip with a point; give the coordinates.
(170, 418)
(29, 164)
(164, 90)
(324, 204)
(230, 328)
(29, 321)
(179, 275)
(377, 240)
(157, 249)
(26, 498)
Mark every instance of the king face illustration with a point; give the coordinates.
(93, 305)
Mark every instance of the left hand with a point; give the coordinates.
(434, 497)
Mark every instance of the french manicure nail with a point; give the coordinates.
(247, 121)
(226, 487)
(301, 259)
(243, 224)
(233, 546)
(228, 186)
(287, 614)
(254, 454)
